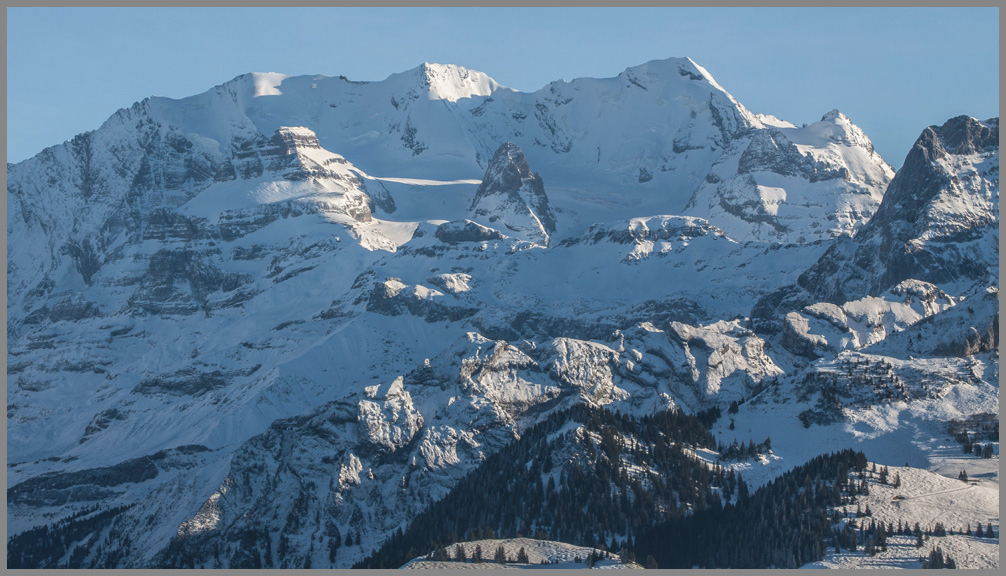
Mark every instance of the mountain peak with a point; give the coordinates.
(452, 83)
(966, 135)
(511, 193)
(942, 189)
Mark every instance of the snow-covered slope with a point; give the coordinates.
(789, 184)
(924, 498)
(827, 328)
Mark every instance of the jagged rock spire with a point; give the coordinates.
(513, 195)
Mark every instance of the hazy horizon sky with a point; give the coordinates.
(893, 71)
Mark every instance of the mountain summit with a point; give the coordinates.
(511, 194)
(450, 82)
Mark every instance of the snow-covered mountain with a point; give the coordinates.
(295, 307)
(939, 219)
(790, 184)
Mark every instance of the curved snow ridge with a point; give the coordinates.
(540, 554)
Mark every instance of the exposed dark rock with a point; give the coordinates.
(466, 231)
(84, 485)
(164, 224)
(511, 193)
(85, 258)
(102, 421)
(179, 282)
(654, 230)
(771, 151)
(73, 308)
(188, 382)
(393, 298)
(237, 223)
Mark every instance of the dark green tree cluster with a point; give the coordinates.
(970, 431)
(982, 533)
(858, 381)
(46, 546)
(784, 524)
(984, 450)
(588, 496)
(937, 559)
(739, 451)
(983, 426)
(709, 416)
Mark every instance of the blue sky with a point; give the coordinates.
(892, 71)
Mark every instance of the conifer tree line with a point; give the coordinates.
(970, 431)
(669, 519)
(784, 524)
(937, 559)
(539, 487)
(459, 555)
(66, 544)
(740, 451)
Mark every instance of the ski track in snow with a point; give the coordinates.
(424, 182)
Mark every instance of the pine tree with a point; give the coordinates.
(500, 556)
(522, 556)
(935, 559)
(477, 555)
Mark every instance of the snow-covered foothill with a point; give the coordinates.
(541, 554)
(925, 498)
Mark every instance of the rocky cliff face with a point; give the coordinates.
(513, 197)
